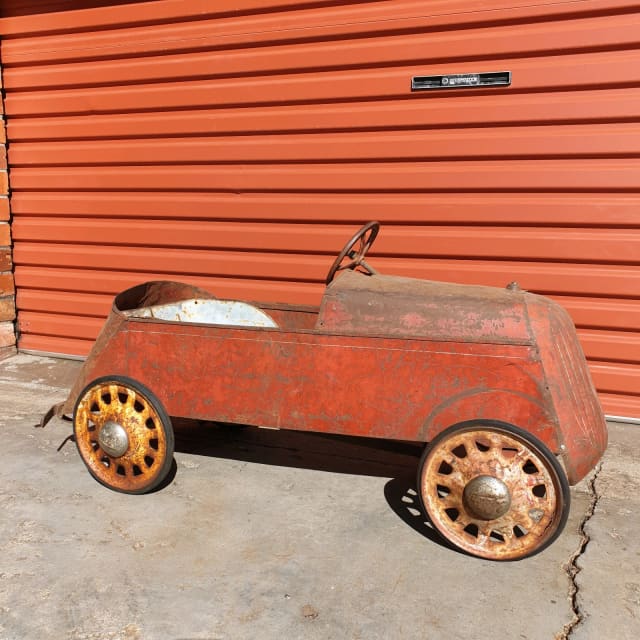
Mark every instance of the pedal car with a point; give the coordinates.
(494, 380)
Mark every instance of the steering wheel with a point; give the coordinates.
(365, 237)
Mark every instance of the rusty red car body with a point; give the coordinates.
(383, 357)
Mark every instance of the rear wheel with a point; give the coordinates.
(493, 490)
(123, 434)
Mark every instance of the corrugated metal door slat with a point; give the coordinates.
(481, 109)
(514, 142)
(533, 208)
(160, 19)
(621, 246)
(489, 175)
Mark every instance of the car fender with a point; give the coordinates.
(502, 405)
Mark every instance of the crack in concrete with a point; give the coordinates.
(571, 567)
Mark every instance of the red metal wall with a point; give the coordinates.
(237, 145)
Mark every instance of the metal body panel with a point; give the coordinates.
(567, 378)
(370, 386)
(406, 307)
(340, 384)
(362, 378)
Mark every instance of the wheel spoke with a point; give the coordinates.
(129, 397)
(466, 468)
(508, 533)
(145, 414)
(475, 455)
(451, 501)
(520, 458)
(106, 463)
(114, 392)
(535, 480)
(95, 400)
(484, 533)
(456, 480)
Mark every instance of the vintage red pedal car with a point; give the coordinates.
(494, 380)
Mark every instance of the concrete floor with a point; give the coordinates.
(284, 535)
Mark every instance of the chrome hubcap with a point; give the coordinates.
(486, 498)
(113, 439)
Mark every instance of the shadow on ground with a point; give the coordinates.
(321, 452)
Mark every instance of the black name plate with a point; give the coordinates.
(462, 81)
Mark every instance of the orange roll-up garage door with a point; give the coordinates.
(237, 145)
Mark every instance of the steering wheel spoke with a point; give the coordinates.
(364, 238)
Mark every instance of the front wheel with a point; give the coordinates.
(123, 434)
(493, 490)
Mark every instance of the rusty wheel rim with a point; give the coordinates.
(122, 436)
(493, 493)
